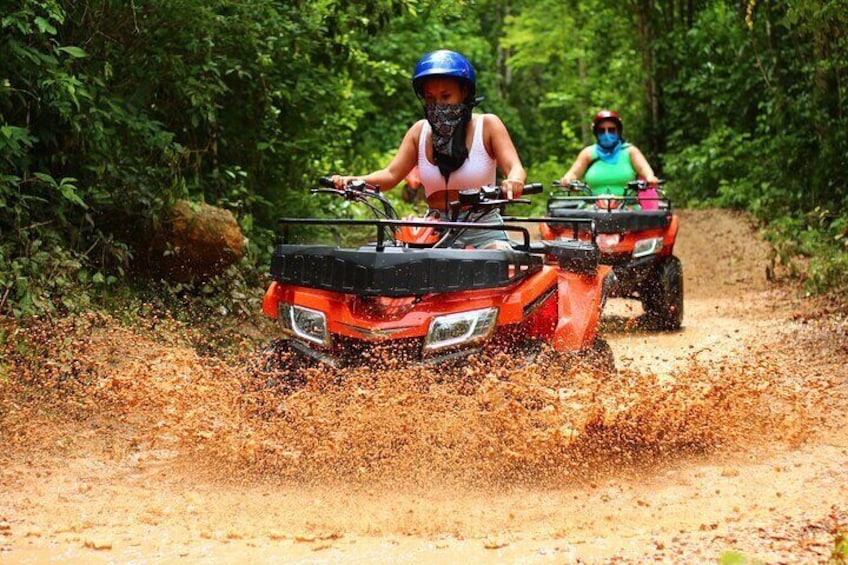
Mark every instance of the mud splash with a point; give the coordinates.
(151, 438)
(145, 390)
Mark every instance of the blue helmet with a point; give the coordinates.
(444, 63)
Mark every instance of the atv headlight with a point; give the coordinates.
(606, 241)
(462, 327)
(304, 323)
(648, 246)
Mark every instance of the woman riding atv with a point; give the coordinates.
(453, 148)
(608, 165)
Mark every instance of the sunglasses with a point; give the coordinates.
(611, 129)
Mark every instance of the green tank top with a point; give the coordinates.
(605, 178)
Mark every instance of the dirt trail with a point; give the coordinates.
(126, 445)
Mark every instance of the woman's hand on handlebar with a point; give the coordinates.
(341, 181)
(566, 180)
(512, 188)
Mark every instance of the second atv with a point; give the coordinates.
(636, 235)
(412, 289)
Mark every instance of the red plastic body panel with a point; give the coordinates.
(579, 311)
(568, 318)
(628, 239)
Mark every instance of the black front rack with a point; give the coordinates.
(571, 200)
(389, 269)
(380, 224)
(562, 207)
(401, 271)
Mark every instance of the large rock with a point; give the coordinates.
(196, 242)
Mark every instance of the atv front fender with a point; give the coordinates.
(670, 237)
(270, 301)
(581, 299)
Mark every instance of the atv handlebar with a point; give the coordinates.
(574, 186)
(474, 200)
(533, 188)
(490, 196)
(640, 185)
(358, 190)
(494, 194)
(637, 186)
(357, 184)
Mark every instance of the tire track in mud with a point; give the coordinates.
(493, 452)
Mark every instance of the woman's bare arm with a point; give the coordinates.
(401, 164)
(641, 166)
(502, 149)
(578, 168)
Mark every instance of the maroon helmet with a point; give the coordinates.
(604, 115)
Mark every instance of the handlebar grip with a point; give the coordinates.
(533, 188)
(326, 182)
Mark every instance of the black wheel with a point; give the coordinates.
(662, 296)
(600, 356)
(560, 363)
(282, 367)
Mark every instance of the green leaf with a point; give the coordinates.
(45, 178)
(70, 194)
(74, 52)
(44, 26)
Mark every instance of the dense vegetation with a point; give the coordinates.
(113, 109)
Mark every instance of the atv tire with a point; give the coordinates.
(283, 367)
(599, 357)
(662, 296)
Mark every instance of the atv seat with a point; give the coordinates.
(397, 271)
(617, 221)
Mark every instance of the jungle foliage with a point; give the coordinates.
(113, 109)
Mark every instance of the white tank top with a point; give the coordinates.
(479, 168)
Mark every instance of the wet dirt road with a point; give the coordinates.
(123, 444)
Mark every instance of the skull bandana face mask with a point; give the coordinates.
(448, 122)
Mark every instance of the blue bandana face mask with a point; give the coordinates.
(608, 140)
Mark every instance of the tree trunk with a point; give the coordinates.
(644, 28)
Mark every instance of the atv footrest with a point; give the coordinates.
(398, 271)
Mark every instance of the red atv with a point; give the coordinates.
(433, 302)
(635, 234)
